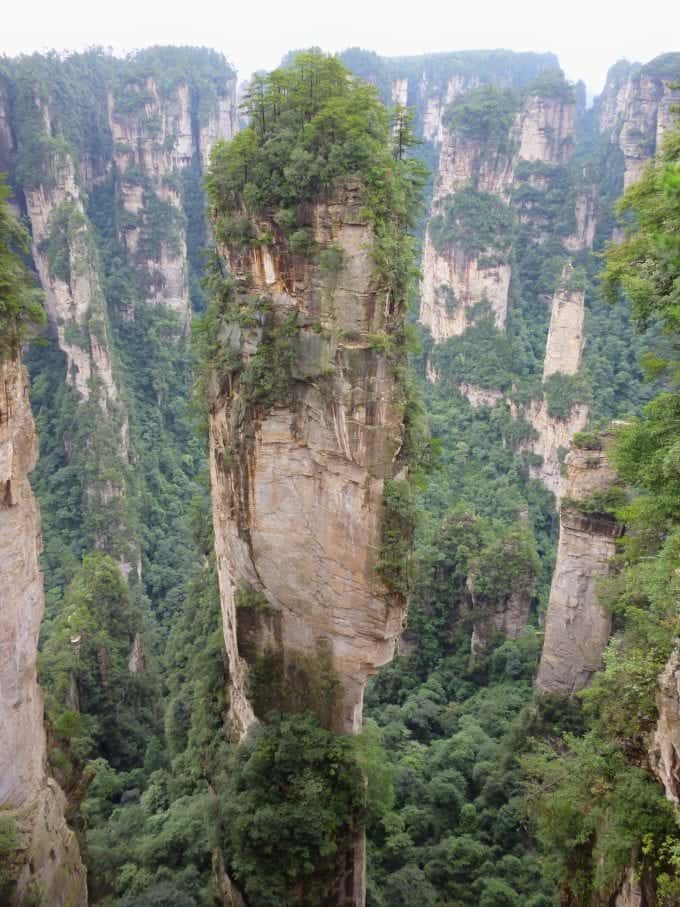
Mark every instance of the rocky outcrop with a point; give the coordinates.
(636, 109)
(507, 617)
(546, 127)
(553, 436)
(665, 747)
(436, 101)
(400, 92)
(453, 283)
(577, 627)
(586, 221)
(66, 259)
(303, 434)
(155, 136)
(565, 334)
(300, 482)
(47, 859)
(65, 256)
(7, 147)
(126, 175)
(456, 279)
(480, 396)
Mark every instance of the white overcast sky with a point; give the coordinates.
(587, 35)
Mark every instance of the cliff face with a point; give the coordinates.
(455, 278)
(155, 137)
(298, 484)
(48, 859)
(665, 746)
(562, 357)
(546, 126)
(636, 109)
(577, 627)
(65, 257)
(109, 189)
(565, 334)
(507, 617)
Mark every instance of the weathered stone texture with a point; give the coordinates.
(577, 626)
(665, 747)
(298, 516)
(50, 858)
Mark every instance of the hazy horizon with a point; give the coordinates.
(587, 40)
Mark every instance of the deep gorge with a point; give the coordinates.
(359, 505)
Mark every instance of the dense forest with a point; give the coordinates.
(142, 218)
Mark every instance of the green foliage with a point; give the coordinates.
(552, 84)
(295, 683)
(21, 313)
(596, 805)
(250, 599)
(455, 833)
(507, 564)
(605, 503)
(10, 844)
(644, 267)
(205, 71)
(94, 702)
(593, 809)
(587, 440)
(311, 126)
(479, 223)
(293, 796)
(564, 391)
(397, 526)
(665, 66)
(483, 115)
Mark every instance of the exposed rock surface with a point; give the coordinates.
(546, 129)
(565, 335)
(469, 281)
(630, 894)
(152, 143)
(553, 434)
(49, 859)
(75, 301)
(507, 617)
(298, 489)
(586, 221)
(636, 109)
(665, 748)
(136, 151)
(577, 627)
(454, 280)
(308, 494)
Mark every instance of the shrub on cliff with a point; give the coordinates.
(20, 310)
(311, 124)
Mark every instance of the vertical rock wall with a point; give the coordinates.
(298, 495)
(636, 109)
(455, 280)
(136, 152)
(48, 860)
(565, 334)
(298, 485)
(665, 747)
(577, 627)
(155, 136)
(65, 256)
